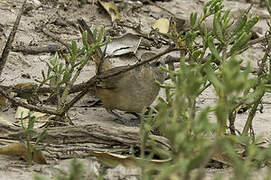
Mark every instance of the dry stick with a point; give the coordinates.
(54, 37)
(258, 40)
(36, 50)
(30, 89)
(253, 42)
(139, 64)
(4, 56)
(28, 106)
(164, 9)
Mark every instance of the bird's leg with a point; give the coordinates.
(113, 113)
(135, 114)
(136, 120)
(123, 120)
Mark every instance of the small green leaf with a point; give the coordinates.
(85, 42)
(240, 25)
(240, 43)
(251, 23)
(205, 31)
(49, 72)
(208, 3)
(213, 78)
(196, 53)
(218, 27)
(60, 67)
(255, 95)
(101, 35)
(204, 10)
(193, 19)
(94, 35)
(54, 60)
(226, 15)
(189, 38)
(74, 48)
(31, 122)
(268, 6)
(213, 49)
(41, 136)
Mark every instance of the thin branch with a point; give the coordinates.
(30, 89)
(154, 4)
(54, 37)
(101, 62)
(258, 40)
(28, 106)
(36, 50)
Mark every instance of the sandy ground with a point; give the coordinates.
(48, 12)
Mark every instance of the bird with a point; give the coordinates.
(131, 91)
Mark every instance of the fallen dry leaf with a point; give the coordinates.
(18, 149)
(113, 160)
(125, 44)
(162, 25)
(22, 112)
(111, 9)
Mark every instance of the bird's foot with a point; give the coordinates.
(134, 122)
